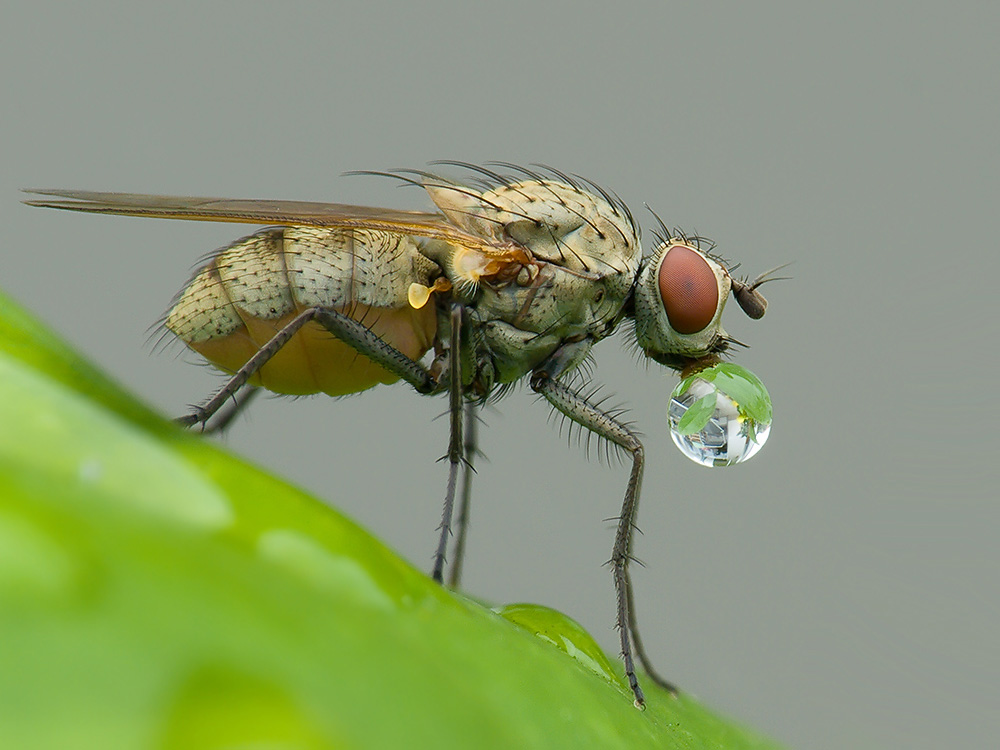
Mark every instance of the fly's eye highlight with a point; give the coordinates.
(689, 289)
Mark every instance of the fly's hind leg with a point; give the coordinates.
(225, 417)
(348, 330)
(570, 402)
(363, 340)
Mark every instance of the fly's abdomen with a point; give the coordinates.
(256, 286)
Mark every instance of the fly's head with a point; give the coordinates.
(679, 297)
(720, 413)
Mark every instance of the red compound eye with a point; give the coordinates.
(689, 290)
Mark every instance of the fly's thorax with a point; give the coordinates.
(553, 300)
(463, 267)
(576, 261)
(514, 353)
(555, 221)
(679, 299)
(523, 324)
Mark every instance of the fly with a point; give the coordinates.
(515, 276)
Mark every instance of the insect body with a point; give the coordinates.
(571, 284)
(516, 275)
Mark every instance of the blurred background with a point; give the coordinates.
(837, 591)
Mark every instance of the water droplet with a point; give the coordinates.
(565, 634)
(720, 416)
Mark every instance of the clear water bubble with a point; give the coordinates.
(720, 416)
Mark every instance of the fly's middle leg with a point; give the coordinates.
(456, 449)
(471, 448)
(348, 330)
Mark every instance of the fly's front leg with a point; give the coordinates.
(348, 330)
(569, 402)
(455, 447)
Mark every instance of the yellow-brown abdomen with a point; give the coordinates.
(254, 287)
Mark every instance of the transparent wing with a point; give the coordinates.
(287, 213)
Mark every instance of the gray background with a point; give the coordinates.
(838, 591)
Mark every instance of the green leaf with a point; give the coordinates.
(743, 387)
(686, 383)
(158, 592)
(696, 417)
